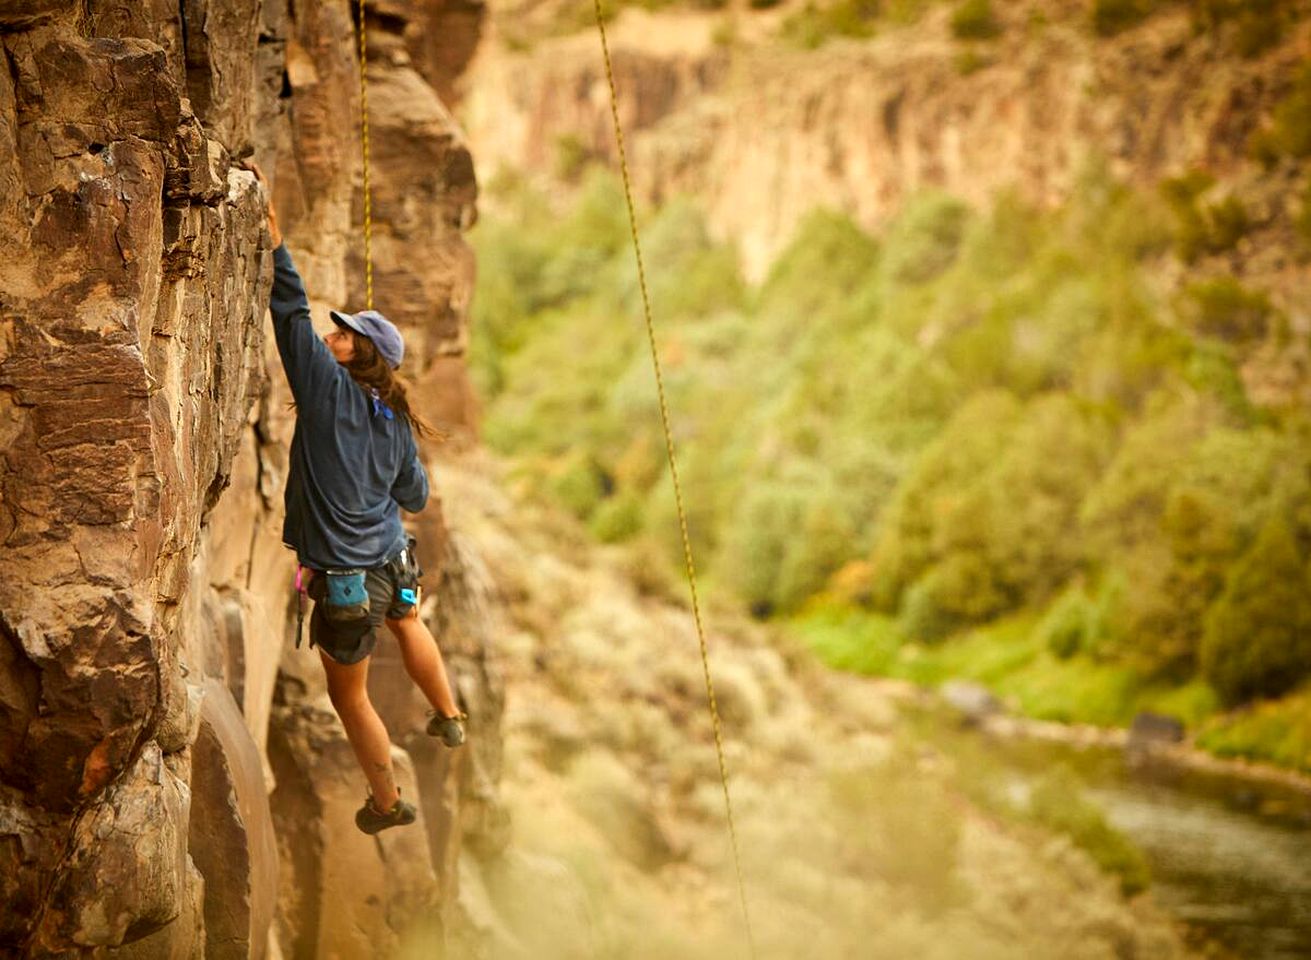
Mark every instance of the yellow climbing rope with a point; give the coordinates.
(364, 149)
(664, 408)
(673, 470)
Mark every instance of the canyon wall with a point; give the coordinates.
(150, 698)
(761, 132)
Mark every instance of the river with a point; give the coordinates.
(1230, 855)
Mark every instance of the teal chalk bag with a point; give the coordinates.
(346, 597)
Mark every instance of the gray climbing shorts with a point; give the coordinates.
(352, 641)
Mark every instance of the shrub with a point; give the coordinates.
(824, 541)
(1257, 639)
(974, 20)
(999, 531)
(579, 484)
(1302, 220)
(642, 462)
(1175, 520)
(756, 541)
(1289, 131)
(813, 26)
(1124, 510)
(784, 538)
(1228, 222)
(617, 518)
(827, 245)
(571, 156)
(1259, 24)
(1058, 804)
(1111, 16)
(646, 564)
(688, 274)
(1212, 370)
(1203, 228)
(925, 240)
(1223, 308)
(970, 60)
(907, 546)
(905, 12)
(1069, 626)
(1277, 732)
(960, 590)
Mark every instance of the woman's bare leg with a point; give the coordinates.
(348, 689)
(423, 661)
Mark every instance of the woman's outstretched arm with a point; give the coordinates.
(310, 366)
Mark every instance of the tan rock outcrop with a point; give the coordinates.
(761, 132)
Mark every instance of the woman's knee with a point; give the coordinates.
(347, 685)
(348, 698)
(407, 630)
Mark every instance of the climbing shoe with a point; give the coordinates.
(370, 820)
(449, 730)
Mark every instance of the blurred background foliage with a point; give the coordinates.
(994, 443)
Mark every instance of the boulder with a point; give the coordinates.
(126, 873)
(973, 702)
(1154, 729)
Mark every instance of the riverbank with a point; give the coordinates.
(1225, 850)
(1075, 700)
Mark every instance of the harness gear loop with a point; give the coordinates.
(300, 606)
(364, 150)
(673, 469)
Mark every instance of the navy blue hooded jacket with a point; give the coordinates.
(351, 465)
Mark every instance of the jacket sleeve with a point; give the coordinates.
(311, 368)
(411, 487)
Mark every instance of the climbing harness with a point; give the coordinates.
(300, 606)
(673, 469)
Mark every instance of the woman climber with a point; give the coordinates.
(354, 463)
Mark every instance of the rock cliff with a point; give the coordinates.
(149, 698)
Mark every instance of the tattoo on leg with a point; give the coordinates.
(383, 772)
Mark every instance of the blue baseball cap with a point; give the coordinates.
(383, 333)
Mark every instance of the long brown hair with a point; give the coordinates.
(372, 372)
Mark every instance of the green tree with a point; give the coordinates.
(1258, 635)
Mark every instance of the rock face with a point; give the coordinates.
(143, 429)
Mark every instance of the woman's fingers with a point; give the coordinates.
(274, 233)
(253, 167)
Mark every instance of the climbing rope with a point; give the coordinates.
(673, 469)
(364, 149)
(664, 408)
